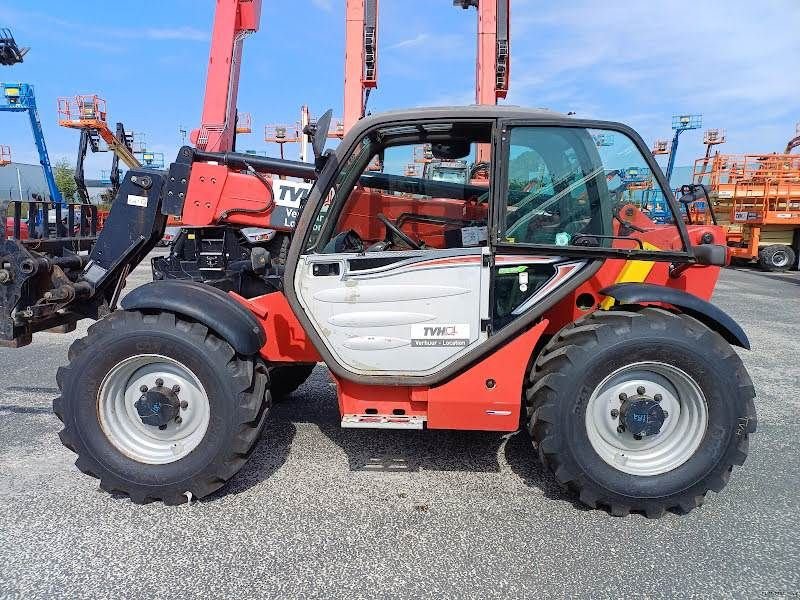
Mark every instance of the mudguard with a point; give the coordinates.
(705, 312)
(212, 307)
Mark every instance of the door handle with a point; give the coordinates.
(325, 269)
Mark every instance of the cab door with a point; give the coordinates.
(396, 313)
(385, 305)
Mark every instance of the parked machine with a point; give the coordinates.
(20, 97)
(90, 140)
(757, 198)
(590, 326)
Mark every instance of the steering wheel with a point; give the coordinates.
(394, 230)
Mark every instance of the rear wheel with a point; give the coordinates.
(776, 257)
(155, 406)
(640, 411)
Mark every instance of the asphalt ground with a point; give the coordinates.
(327, 513)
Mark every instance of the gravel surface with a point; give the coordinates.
(325, 512)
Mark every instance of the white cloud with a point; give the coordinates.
(323, 4)
(416, 41)
(732, 60)
(176, 33)
(442, 46)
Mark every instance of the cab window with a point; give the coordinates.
(414, 187)
(577, 187)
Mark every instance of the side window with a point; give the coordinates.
(570, 186)
(410, 194)
(350, 170)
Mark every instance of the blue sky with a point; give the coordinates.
(638, 62)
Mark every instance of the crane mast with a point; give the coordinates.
(233, 21)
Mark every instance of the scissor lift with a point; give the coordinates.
(758, 198)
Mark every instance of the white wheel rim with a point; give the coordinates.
(680, 435)
(780, 258)
(120, 420)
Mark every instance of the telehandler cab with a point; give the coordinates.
(534, 297)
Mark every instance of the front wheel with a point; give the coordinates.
(640, 411)
(156, 406)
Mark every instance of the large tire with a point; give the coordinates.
(228, 401)
(285, 380)
(570, 374)
(777, 257)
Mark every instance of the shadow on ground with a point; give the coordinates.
(372, 450)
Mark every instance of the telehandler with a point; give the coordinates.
(534, 298)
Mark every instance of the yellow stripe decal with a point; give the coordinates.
(633, 271)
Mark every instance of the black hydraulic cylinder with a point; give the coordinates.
(261, 164)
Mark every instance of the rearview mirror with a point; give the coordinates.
(693, 192)
(451, 150)
(320, 133)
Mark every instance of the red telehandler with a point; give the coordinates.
(534, 296)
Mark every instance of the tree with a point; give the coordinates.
(65, 180)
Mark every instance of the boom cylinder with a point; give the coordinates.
(261, 164)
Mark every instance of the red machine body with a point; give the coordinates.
(465, 401)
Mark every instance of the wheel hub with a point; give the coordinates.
(159, 405)
(642, 416)
(646, 418)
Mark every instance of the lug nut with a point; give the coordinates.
(162, 427)
(178, 420)
(143, 389)
(640, 390)
(657, 397)
(614, 413)
(666, 414)
(176, 388)
(184, 404)
(636, 436)
(620, 428)
(623, 396)
(159, 382)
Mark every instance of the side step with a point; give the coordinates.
(384, 421)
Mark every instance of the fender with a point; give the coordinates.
(199, 301)
(705, 312)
